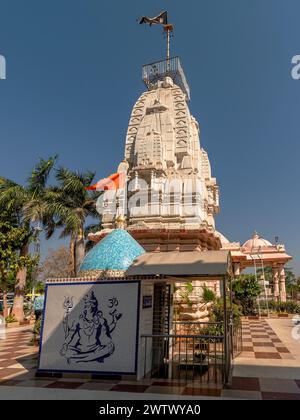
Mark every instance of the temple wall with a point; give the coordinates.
(190, 306)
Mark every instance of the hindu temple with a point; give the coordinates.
(126, 312)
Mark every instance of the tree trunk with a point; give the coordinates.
(5, 305)
(72, 257)
(79, 250)
(18, 307)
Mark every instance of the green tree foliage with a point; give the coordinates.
(246, 290)
(290, 306)
(69, 205)
(12, 238)
(208, 295)
(217, 314)
(66, 206)
(28, 204)
(292, 283)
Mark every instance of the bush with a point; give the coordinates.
(290, 306)
(37, 327)
(185, 292)
(208, 295)
(217, 314)
(10, 318)
(246, 290)
(216, 327)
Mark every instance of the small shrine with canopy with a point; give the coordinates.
(117, 317)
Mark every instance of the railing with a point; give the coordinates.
(236, 335)
(198, 358)
(194, 352)
(160, 69)
(213, 329)
(198, 328)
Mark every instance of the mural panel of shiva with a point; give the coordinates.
(89, 337)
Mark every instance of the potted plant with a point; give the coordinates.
(11, 321)
(37, 331)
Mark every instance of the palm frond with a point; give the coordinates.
(72, 225)
(88, 177)
(12, 195)
(74, 182)
(50, 226)
(34, 210)
(40, 173)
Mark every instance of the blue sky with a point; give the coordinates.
(74, 72)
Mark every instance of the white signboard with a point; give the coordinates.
(90, 327)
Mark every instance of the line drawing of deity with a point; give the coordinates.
(88, 338)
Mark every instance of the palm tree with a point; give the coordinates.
(28, 203)
(69, 206)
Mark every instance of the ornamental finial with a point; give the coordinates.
(120, 222)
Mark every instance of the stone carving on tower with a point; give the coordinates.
(171, 198)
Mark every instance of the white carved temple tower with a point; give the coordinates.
(170, 198)
(171, 195)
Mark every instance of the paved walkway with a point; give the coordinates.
(268, 368)
(19, 360)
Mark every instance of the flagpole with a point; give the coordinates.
(161, 19)
(168, 45)
(168, 28)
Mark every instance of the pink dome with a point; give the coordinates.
(256, 242)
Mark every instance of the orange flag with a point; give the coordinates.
(113, 182)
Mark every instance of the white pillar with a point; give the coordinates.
(275, 282)
(282, 284)
(237, 269)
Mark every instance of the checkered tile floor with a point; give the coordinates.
(261, 342)
(18, 362)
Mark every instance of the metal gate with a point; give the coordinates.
(161, 327)
(191, 354)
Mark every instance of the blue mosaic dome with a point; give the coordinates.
(116, 251)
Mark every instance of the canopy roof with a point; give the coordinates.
(194, 263)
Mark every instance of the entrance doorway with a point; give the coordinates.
(190, 351)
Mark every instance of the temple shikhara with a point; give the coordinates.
(169, 175)
(168, 170)
(158, 240)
